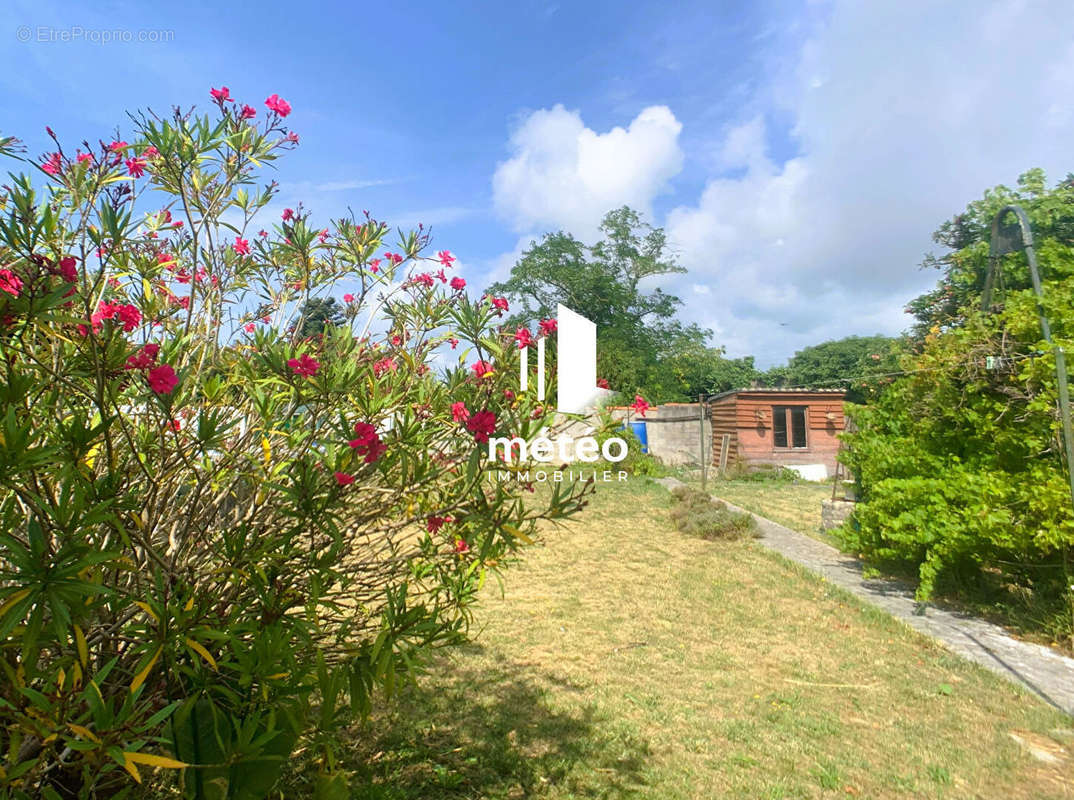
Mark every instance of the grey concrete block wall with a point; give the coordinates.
(675, 433)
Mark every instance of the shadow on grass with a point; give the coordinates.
(492, 730)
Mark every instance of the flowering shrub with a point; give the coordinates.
(219, 536)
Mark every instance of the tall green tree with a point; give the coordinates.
(854, 363)
(607, 283)
(708, 370)
(319, 312)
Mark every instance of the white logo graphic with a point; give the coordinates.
(576, 364)
(577, 393)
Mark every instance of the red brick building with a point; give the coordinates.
(778, 426)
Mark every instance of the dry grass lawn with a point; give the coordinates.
(795, 505)
(624, 660)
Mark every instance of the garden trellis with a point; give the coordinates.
(1003, 241)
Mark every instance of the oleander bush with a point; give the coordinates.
(224, 534)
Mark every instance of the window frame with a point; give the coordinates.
(785, 410)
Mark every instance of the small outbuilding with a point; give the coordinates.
(788, 427)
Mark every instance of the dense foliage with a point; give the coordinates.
(641, 348)
(960, 461)
(219, 534)
(857, 363)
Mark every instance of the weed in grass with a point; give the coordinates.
(696, 513)
(939, 775)
(827, 775)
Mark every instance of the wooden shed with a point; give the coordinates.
(778, 426)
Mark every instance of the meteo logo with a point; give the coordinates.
(577, 393)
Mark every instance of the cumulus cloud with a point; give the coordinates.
(562, 174)
(900, 118)
(888, 119)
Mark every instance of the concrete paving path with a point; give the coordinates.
(1043, 671)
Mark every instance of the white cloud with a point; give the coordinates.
(562, 174)
(895, 115)
(901, 118)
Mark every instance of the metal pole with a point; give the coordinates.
(701, 437)
(997, 246)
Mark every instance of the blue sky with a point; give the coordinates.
(799, 154)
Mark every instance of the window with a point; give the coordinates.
(789, 426)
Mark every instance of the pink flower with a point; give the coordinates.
(241, 246)
(288, 214)
(461, 546)
(85, 158)
(322, 237)
(366, 442)
(508, 394)
(129, 315)
(162, 379)
(53, 165)
(446, 258)
(348, 298)
(117, 146)
(500, 303)
(278, 104)
(176, 425)
(150, 153)
(69, 269)
(482, 425)
(459, 412)
(343, 479)
(482, 369)
(523, 337)
(453, 342)
(602, 383)
(292, 137)
(384, 365)
(546, 327)
(136, 167)
(458, 284)
(434, 524)
(374, 265)
(248, 112)
(395, 258)
(424, 279)
(304, 366)
(250, 327)
(10, 282)
(221, 95)
(640, 405)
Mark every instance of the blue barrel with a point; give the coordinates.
(643, 436)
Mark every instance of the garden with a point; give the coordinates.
(249, 547)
